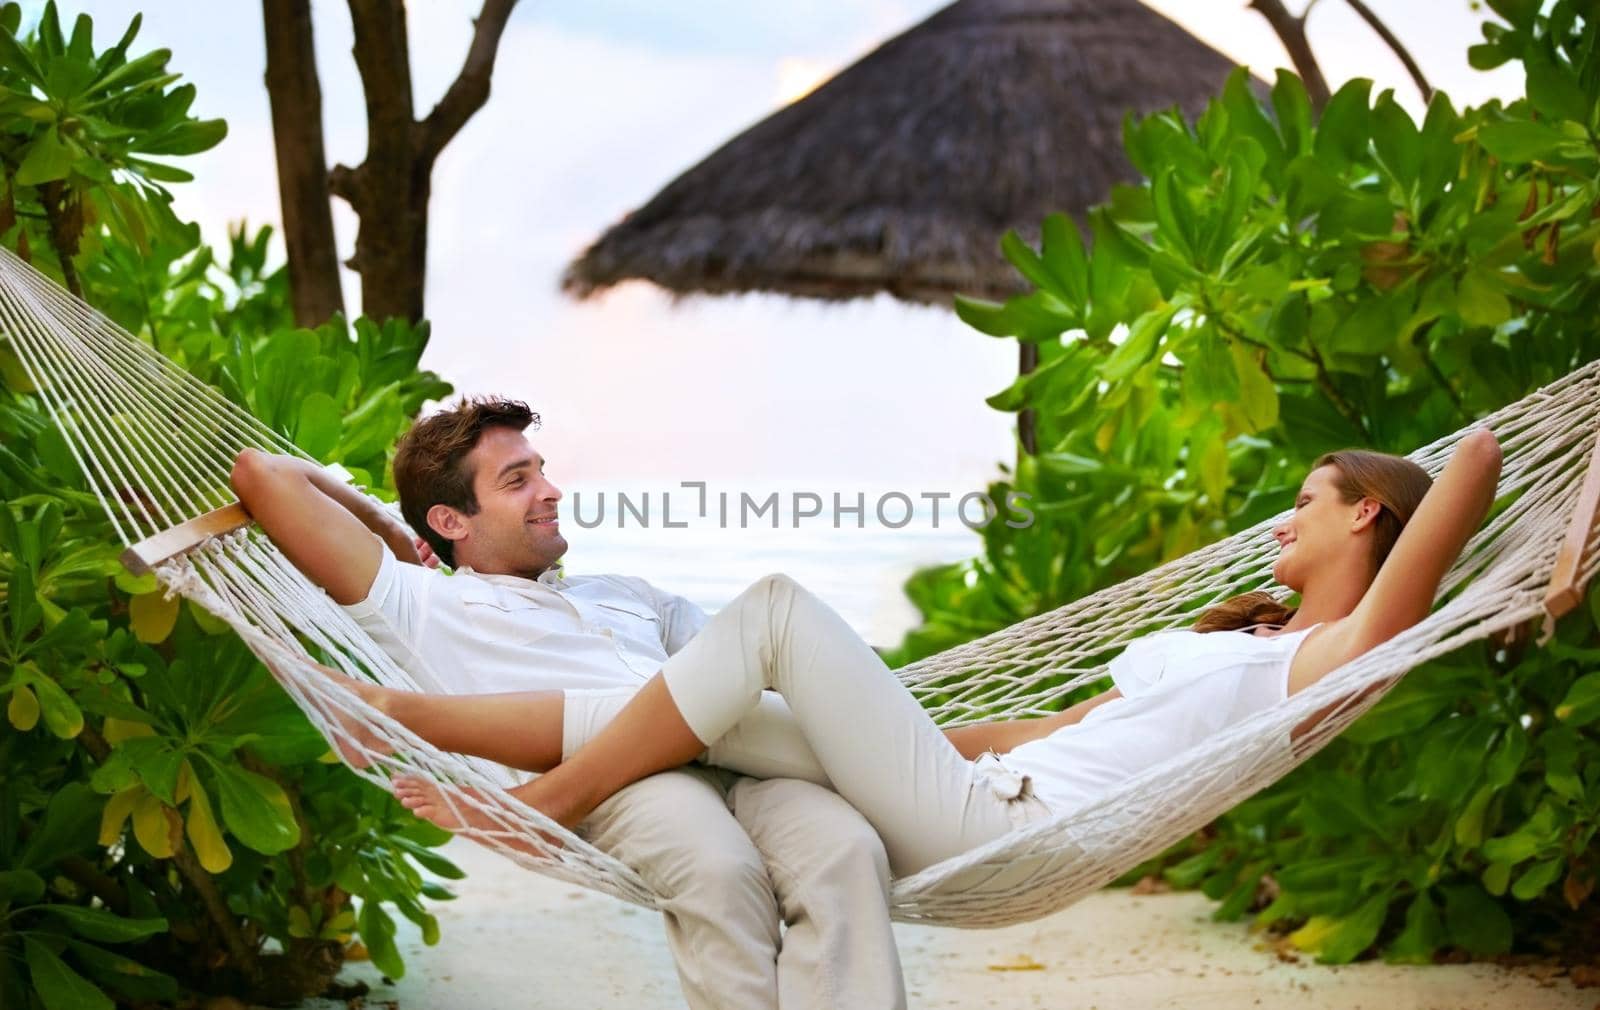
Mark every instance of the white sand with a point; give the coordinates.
(514, 940)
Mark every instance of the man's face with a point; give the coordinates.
(515, 531)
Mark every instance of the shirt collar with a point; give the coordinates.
(551, 577)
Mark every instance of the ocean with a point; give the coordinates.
(858, 568)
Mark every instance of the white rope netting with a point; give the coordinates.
(157, 445)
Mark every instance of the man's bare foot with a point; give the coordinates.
(425, 798)
(356, 743)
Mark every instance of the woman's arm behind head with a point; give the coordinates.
(1451, 512)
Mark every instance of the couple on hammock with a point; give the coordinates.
(763, 766)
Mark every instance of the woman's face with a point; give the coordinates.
(1319, 529)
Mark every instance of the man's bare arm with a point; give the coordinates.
(323, 525)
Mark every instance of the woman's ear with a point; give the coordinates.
(1367, 511)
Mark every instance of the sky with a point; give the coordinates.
(595, 106)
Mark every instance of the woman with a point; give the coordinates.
(1366, 547)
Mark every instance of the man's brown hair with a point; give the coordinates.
(430, 463)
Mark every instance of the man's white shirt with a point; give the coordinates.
(472, 633)
(595, 638)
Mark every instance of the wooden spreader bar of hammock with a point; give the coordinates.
(1566, 586)
(169, 543)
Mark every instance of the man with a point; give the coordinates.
(731, 857)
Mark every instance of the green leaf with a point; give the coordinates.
(1537, 878)
(1258, 394)
(153, 616)
(1209, 375)
(158, 769)
(201, 827)
(1415, 702)
(1507, 758)
(159, 171)
(58, 986)
(1396, 140)
(1422, 935)
(1212, 468)
(1176, 216)
(1248, 121)
(1452, 749)
(1519, 141)
(23, 709)
(14, 56)
(1344, 130)
(255, 809)
(136, 72)
(318, 428)
(1553, 88)
(377, 932)
(68, 827)
(1194, 869)
(1063, 253)
(1140, 346)
(21, 601)
(1538, 832)
(1027, 262)
(1479, 300)
(1293, 108)
(1487, 56)
(49, 158)
(1561, 757)
(1369, 328)
(61, 714)
(1361, 215)
(1024, 317)
(98, 924)
(20, 887)
(1475, 922)
(1339, 939)
(126, 976)
(1469, 826)
(191, 136)
(1496, 878)
(430, 860)
(1518, 13)
(1581, 705)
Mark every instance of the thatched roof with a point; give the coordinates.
(901, 173)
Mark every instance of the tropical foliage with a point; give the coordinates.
(1280, 285)
(170, 823)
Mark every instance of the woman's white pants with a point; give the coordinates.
(866, 733)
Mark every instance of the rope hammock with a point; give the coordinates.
(157, 445)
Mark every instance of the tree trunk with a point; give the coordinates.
(389, 190)
(296, 99)
(1291, 32)
(391, 245)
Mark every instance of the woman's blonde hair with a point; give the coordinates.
(1396, 483)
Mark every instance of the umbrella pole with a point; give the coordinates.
(1027, 361)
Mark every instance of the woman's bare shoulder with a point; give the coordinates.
(1328, 647)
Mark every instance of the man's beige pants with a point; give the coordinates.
(733, 858)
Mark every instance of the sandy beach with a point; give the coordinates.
(514, 940)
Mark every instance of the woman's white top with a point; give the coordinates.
(1178, 688)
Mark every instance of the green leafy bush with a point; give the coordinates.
(1283, 284)
(170, 823)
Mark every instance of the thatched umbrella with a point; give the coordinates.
(901, 173)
